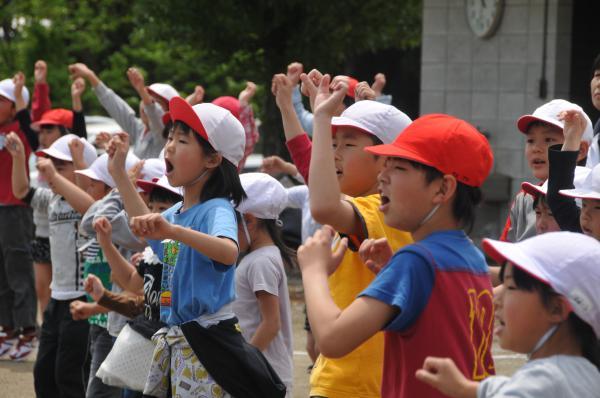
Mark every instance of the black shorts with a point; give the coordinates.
(40, 250)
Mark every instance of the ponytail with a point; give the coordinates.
(590, 345)
(287, 254)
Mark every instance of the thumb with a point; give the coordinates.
(340, 250)
(427, 377)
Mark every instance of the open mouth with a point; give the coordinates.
(385, 201)
(538, 162)
(168, 166)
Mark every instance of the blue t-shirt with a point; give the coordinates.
(407, 281)
(193, 284)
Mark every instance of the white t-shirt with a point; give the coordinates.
(262, 269)
(557, 376)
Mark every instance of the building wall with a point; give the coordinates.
(491, 82)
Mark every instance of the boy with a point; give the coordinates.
(542, 129)
(350, 171)
(432, 296)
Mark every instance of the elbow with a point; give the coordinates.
(331, 348)
(323, 213)
(20, 193)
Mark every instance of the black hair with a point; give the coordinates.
(167, 129)
(466, 199)
(596, 65)
(63, 130)
(537, 199)
(583, 332)
(224, 182)
(158, 194)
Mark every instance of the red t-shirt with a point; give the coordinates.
(6, 195)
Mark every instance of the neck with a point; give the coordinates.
(261, 239)
(562, 342)
(443, 220)
(192, 192)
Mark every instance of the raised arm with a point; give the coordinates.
(77, 90)
(20, 180)
(40, 101)
(22, 114)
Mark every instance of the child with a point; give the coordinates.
(262, 302)
(59, 367)
(542, 129)
(544, 218)
(429, 187)
(550, 311)
(197, 242)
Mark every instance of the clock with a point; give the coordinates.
(484, 16)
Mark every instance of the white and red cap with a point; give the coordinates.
(99, 169)
(589, 189)
(568, 262)
(163, 90)
(548, 113)
(60, 149)
(162, 182)
(581, 174)
(383, 121)
(266, 197)
(214, 124)
(7, 90)
(153, 168)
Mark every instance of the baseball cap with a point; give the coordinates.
(166, 118)
(446, 143)
(383, 121)
(232, 104)
(162, 182)
(569, 262)
(153, 168)
(581, 174)
(60, 149)
(548, 113)
(589, 189)
(163, 90)
(58, 117)
(99, 169)
(7, 89)
(214, 124)
(266, 197)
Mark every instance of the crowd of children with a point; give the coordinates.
(161, 271)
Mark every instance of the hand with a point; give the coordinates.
(315, 254)
(14, 146)
(136, 79)
(281, 87)
(136, 258)
(103, 230)
(40, 71)
(274, 165)
(80, 310)
(80, 70)
(378, 84)
(19, 82)
(46, 169)
(102, 140)
(315, 77)
(375, 253)
(442, 374)
(364, 92)
(327, 103)
(575, 124)
(293, 72)
(135, 172)
(117, 153)
(93, 286)
(76, 149)
(246, 94)
(77, 87)
(197, 97)
(152, 226)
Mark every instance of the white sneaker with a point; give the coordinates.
(7, 342)
(24, 347)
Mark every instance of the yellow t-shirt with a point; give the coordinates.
(359, 373)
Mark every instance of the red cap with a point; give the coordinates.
(230, 103)
(182, 111)
(446, 143)
(352, 82)
(57, 117)
(166, 118)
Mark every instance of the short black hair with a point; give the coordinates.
(63, 130)
(224, 182)
(158, 194)
(466, 199)
(596, 65)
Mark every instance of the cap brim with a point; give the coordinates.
(393, 151)
(532, 189)
(150, 91)
(181, 111)
(54, 154)
(580, 193)
(342, 121)
(508, 251)
(89, 173)
(524, 122)
(146, 186)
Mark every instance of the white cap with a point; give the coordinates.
(383, 121)
(162, 182)
(569, 262)
(99, 169)
(7, 89)
(215, 124)
(581, 174)
(589, 189)
(266, 196)
(153, 168)
(163, 90)
(548, 113)
(60, 149)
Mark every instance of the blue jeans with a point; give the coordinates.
(100, 344)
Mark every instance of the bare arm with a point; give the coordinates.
(282, 89)
(77, 198)
(20, 180)
(270, 323)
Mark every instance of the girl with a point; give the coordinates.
(262, 304)
(550, 310)
(197, 242)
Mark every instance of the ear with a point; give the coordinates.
(559, 309)
(447, 188)
(583, 150)
(251, 221)
(214, 160)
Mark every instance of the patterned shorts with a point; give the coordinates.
(40, 250)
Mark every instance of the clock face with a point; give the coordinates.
(484, 16)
